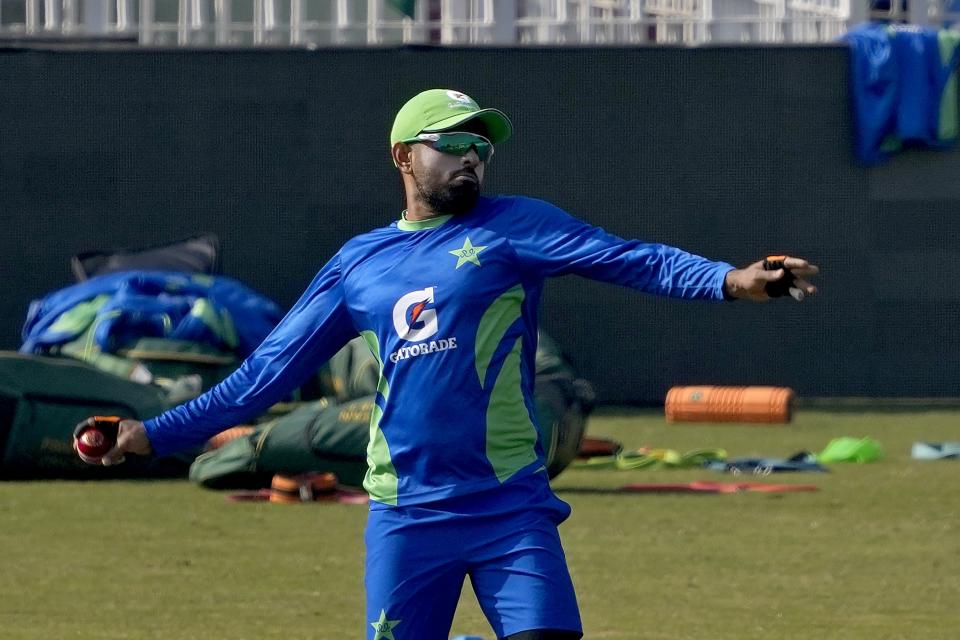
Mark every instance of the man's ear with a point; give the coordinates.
(403, 157)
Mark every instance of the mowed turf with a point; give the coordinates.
(873, 555)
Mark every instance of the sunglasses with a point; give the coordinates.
(457, 143)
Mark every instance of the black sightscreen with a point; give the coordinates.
(729, 152)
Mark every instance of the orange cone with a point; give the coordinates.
(729, 404)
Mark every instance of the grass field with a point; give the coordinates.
(874, 555)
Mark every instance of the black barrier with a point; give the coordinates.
(732, 153)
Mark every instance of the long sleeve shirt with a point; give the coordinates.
(448, 306)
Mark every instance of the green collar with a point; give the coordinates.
(419, 225)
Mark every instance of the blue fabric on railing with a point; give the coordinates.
(897, 80)
(873, 89)
(918, 105)
(154, 304)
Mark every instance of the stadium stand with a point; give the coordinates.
(476, 22)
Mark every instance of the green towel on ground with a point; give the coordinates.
(851, 450)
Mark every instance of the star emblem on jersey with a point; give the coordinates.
(384, 627)
(467, 253)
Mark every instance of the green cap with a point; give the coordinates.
(443, 110)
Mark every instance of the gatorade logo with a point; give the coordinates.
(412, 318)
(415, 320)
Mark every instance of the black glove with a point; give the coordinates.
(785, 285)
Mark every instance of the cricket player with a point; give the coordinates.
(446, 298)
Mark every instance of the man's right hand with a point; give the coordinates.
(131, 438)
(750, 282)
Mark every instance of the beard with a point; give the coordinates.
(453, 198)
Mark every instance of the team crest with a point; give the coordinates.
(384, 627)
(467, 253)
(460, 101)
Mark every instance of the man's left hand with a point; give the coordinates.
(749, 283)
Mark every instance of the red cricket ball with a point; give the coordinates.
(93, 443)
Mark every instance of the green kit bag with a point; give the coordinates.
(563, 402)
(318, 436)
(42, 399)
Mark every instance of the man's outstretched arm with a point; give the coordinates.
(552, 243)
(316, 327)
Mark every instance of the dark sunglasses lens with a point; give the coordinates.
(461, 145)
(454, 148)
(484, 151)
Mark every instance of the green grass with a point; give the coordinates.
(874, 555)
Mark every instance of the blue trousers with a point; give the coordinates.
(505, 539)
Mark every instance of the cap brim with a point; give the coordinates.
(497, 123)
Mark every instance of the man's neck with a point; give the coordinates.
(419, 211)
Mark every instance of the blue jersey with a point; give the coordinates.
(449, 308)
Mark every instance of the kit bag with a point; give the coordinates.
(41, 401)
(563, 402)
(319, 436)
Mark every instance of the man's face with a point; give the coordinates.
(447, 183)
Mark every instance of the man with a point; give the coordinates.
(446, 298)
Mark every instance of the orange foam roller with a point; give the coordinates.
(729, 404)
